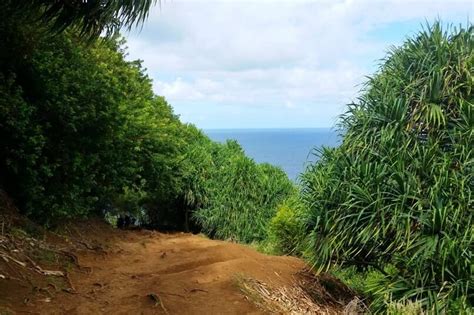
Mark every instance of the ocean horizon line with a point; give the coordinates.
(270, 128)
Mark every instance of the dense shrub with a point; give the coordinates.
(80, 127)
(397, 195)
(241, 196)
(287, 230)
(81, 131)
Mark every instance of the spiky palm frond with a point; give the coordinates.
(399, 191)
(91, 17)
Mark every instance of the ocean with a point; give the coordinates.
(288, 148)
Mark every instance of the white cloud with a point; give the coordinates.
(240, 56)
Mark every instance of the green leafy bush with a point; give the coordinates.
(399, 190)
(287, 230)
(80, 129)
(241, 195)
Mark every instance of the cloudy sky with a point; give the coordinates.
(274, 64)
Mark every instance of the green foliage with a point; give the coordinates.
(89, 17)
(399, 190)
(82, 131)
(287, 230)
(407, 308)
(80, 126)
(241, 195)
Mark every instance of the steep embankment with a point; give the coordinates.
(131, 272)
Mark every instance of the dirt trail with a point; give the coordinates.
(190, 275)
(88, 267)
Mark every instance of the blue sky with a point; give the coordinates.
(274, 64)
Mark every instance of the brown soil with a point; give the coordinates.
(136, 272)
(189, 274)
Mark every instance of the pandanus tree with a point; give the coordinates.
(24, 23)
(397, 195)
(90, 17)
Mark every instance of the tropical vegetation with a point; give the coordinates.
(397, 196)
(83, 134)
(389, 211)
(89, 18)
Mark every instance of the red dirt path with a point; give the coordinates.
(189, 274)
